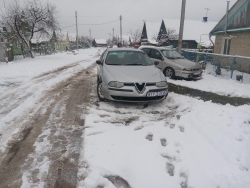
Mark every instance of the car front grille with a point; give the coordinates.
(139, 99)
(196, 69)
(133, 84)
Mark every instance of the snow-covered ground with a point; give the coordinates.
(221, 85)
(16, 72)
(31, 83)
(181, 140)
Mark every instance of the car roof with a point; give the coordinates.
(123, 49)
(154, 47)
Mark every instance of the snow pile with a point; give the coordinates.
(16, 72)
(179, 141)
(221, 85)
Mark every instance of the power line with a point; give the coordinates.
(91, 24)
(101, 23)
(130, 22)
(68, 26)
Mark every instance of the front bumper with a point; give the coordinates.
(190, 74)
(130, 94)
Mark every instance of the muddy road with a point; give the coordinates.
(44, 152)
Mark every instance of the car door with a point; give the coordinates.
(155, 55)
(100, 67)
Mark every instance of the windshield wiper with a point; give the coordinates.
(135, 64)
(171, 58)
(113, 64)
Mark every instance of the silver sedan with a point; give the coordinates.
(126, 74)
(171, 63)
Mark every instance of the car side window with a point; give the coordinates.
(102, 56)
(146, 50)
(155, 54)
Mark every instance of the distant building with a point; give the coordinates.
(236, 40)
(99, 43)
(188, 44)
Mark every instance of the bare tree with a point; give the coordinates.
(34, 17)
(85, 41)
(135, 35)
(172, 34)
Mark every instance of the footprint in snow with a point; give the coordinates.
(149, 137)
(184, 180)
(163, 142)
(239, 138)
(172, 126)
(243, 168)
(182, 129)
(170, 169)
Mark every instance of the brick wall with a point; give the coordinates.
(239, 45)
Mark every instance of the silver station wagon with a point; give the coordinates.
(126, 74)
(171, 63)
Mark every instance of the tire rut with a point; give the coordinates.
(63, 119)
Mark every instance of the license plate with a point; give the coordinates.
(196, 73)
(156, 94)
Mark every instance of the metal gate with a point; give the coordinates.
(2, 51)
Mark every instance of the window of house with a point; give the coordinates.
(226, 42)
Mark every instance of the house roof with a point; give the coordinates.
(38, 38)
(238, 18)
(193, 29)
(101, 41)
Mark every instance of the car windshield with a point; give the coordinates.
(128, 58)
(171, 54)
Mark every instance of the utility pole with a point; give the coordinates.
(76, 33)
(113, 38)
(227, 17)
(90, 33)
(181, 25)
(4, 3)
(121, 29)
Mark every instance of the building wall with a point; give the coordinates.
(240, 45)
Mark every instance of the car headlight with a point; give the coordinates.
(187, 69)
(116, 84)
(162, 84)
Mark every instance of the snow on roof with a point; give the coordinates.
(61, 35)
(193, 29)
(72, 37)
(38, 38)
(101, 41)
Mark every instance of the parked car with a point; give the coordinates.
(126, 74)
(171, 63)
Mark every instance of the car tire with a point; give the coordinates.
(169, 72)
(98, 79)
(99, 91)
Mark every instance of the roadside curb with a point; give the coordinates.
(208, 96)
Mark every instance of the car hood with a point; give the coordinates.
(135, 73)
(186, 63)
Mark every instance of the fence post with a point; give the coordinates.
(232, 67)
(205, 60)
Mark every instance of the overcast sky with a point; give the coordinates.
(132, 11)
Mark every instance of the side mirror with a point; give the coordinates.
(99, 62)
(156, 63)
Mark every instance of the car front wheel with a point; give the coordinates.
(100, 92)
(169, 72)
